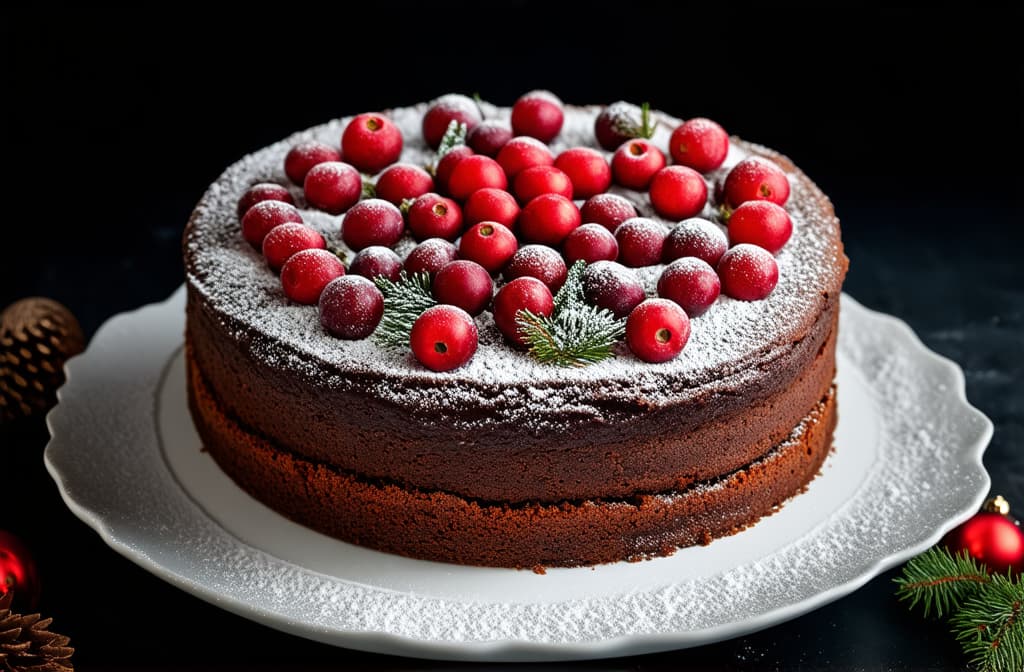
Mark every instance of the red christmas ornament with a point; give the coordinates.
(991, 537)
(18, 572)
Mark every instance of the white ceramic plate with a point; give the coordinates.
(907, 467)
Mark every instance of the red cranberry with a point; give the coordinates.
(264, 216)
(333, 186)
(612, 286)
(538, 114)
(306, 274)
(640, 241)
(443, 171)
(700, 144)
(304, 156)
(533, 182)
(285, 240)
(371, 142)
(748, 272)
(608, 210)
(635, 163)
(434, 216)
(537, 261)
(690, 282)
(372, 222)
(548, 219)
(760, 223)
(402, 181)
(590, 242)
(523, 152)
(755, 179)
(489, 136)
(587, 169)
(430, 256)
(465, 284)
(657, 330)
(489, 244)
(264, 191)
(376, 260)
(475, 172)
(444, 110)
(521, 294)
(678, 192)
(443, 338)
(491, 205)
(351, 307)
(695, 237)
(619, 122)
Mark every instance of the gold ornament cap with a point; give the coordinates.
(997, 504)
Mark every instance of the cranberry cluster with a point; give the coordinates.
(505, 204)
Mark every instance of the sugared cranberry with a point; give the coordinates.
(755, 179)
(306, 274)
(333, 186)
(587, 169)
(371, 142)
(285, 240)
(635, 163)
(619, 122)
(700, 144)
(548, 219)
(640, 241)
(376, 260)
(444, 110)
(520, 294)
(608, 210)
(434, 216)
(538, 114)
(489, 136)
(443, 171)
(430, 256)
(465, 284)
(264, 191)
(264, 216)
(612, 286)
(760, 223)
(475, 172)
(489, 244)
(678, 192)
(537, 261)
(305, 155)
(590, 242)
(695, 237)
(402, 181)
(443, 338)
(524, 152)
(748, 272)
(690, 282)
(372, 222)
(351, 307)
(491, 205)
(538, 180)
(657, 330)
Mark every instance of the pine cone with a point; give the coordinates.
(37, 336)
(27, 646)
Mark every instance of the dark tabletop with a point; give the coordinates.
(115, 123)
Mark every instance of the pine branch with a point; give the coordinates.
(454, 136)
(990, 626)
(404, 301)
(940, 581)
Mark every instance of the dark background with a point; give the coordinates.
(115, 122)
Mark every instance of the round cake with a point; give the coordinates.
(508, 460)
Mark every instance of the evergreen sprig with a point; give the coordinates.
(645, 129)
(940, 581)
(404, 301)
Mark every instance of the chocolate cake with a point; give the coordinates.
(508, 461)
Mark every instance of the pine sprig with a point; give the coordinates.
(940, 581)
(404, 301)
(645, 129)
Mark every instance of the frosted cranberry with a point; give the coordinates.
(430, 256)
(402, 181)
(371, 142)
(444, 110)
(285, 240)
(465, 284)
(635, 163)
(491, 205)
(590, 242)
(443, 171)
(264, 191)
(434, 216)
(695, 237)
(443, 338)
(475, 172)
(533, 182)
(612, 286)
(619, 122)
(760, 223)
(538, 114)
(376, 260)
(306, 274)
(657, 330)
(264, 216)
(678, 192)
(548, 219)
(333, 186)
(521, 153)
(690, 282)
(755, 179)
(520, 294)
(608, 210)
(351, 307)
(748, 272)
(304, 156)
(700, 144)
(587, 169)
(489, 244)
(488, 137)
(372, 222)
(537, 261)
(640, 241)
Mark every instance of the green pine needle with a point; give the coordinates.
(404, 301)
(940, 581)
(454, 136)
(646, 127)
